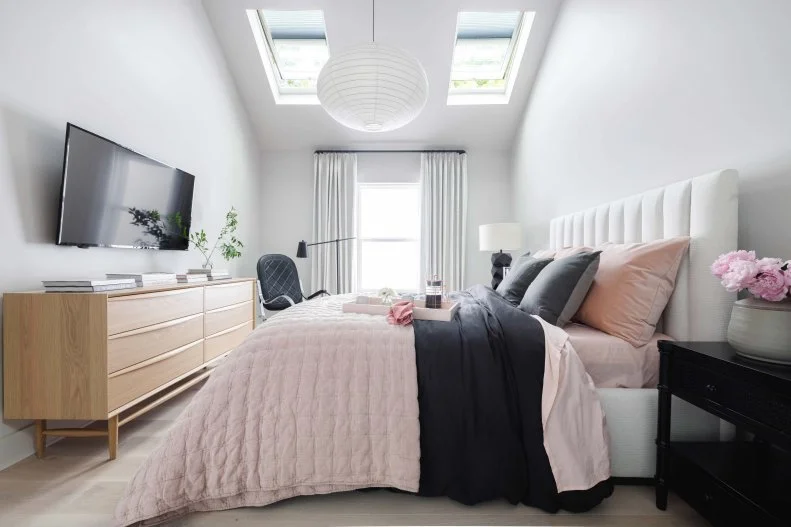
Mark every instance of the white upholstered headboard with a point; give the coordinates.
(704, 208)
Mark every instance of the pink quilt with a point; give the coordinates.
(314, 401)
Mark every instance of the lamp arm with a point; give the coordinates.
(330, 241)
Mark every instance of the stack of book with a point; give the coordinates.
(211, 274)
(188, 278)
(144, 279)
(87, 285)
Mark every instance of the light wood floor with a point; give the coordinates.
(76, 485)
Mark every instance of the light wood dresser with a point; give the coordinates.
(113, 356)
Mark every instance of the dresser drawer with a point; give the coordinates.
(125, 313)
(131, 347)
(228, 317)
(228, 294)
(751, 401)
(133, 383)
(226, 341)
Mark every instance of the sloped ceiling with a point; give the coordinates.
(424, 28)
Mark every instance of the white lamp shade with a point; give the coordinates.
(373, 88)
(500, 236)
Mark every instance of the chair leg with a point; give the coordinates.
(261, 300)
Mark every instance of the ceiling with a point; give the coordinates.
(425, 28)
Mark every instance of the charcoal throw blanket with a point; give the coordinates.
(480, 386)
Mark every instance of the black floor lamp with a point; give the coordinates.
(302, 252)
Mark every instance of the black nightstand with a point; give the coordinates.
(728, 483)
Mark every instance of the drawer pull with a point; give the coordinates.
(711, 388)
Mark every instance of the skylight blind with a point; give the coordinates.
(294, 25)
(474, 25)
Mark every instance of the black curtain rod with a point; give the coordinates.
(389, 151)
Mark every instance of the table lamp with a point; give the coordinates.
(498, 237)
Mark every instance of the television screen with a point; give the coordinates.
(114, 197)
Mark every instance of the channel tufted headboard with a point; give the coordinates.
(704, 208)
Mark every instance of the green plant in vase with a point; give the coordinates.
(227, 242)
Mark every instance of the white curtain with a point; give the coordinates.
(444, 216)
(334, 182)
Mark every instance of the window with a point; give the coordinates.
(388, 242)
(487, 54)
(293, 47)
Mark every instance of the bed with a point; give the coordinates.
(706, 209)
(494, 404)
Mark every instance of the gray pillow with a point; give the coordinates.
(522, 259)
(559, 289)
(514, 285)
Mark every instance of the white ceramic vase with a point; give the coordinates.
(761, 330)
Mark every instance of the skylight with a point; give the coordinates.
(293, 47)
(486, 57)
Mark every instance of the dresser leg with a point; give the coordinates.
(112, 436)
(40, 438)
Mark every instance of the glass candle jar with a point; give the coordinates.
(434, 293)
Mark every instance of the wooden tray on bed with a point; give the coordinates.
(371, 305)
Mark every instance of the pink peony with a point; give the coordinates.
(723, 264)
(788, 273)
(770, 285)
(741, 274)
(773, 264)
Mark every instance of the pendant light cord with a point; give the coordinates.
(373, 21)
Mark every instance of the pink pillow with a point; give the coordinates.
(632, 287)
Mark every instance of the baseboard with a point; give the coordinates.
(18, 445)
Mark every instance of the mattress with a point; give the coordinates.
(614, 363)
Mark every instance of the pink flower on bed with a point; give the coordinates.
(401, 313)
(788, 273)
(740, 274)
(723, 264)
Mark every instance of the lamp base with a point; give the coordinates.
(499, 260)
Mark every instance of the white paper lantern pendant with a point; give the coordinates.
(372, 87)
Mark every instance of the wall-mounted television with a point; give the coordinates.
(112, 196)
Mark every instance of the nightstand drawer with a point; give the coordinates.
(732, 395)
(713, 501)
(688, 378)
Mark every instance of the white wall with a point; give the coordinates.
(287, 199)
(147, 74)
(489, 188)
(287, 206)
(634, 95)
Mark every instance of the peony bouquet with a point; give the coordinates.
(766, 278)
